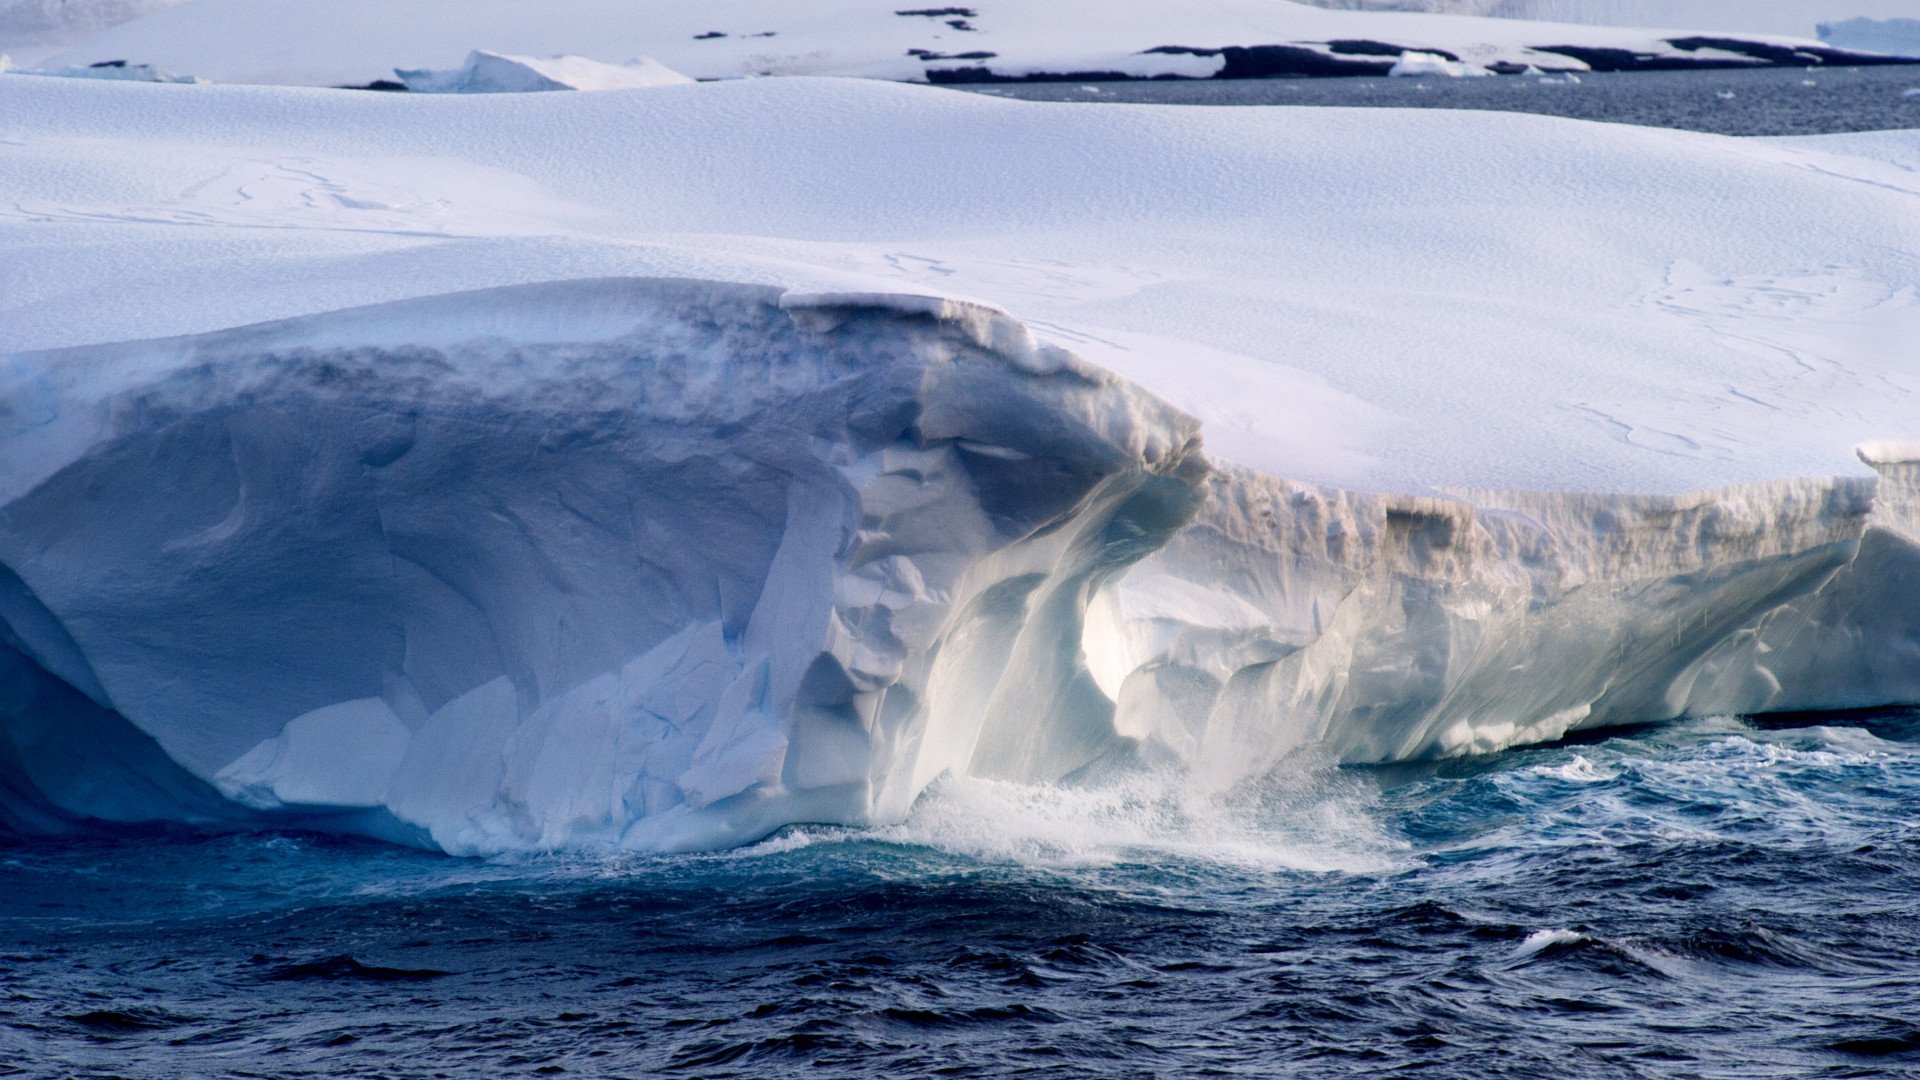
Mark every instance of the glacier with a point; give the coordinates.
(669, 564)
(757, 452)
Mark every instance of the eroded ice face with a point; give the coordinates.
(722, 559)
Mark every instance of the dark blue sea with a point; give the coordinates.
(1711, 898)
(1758, 101)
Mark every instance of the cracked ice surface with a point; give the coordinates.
(910, 480)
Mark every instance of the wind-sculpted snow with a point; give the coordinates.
(670, 564)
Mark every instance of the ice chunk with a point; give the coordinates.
(1425, 63)
(340, 755)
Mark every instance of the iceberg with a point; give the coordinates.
(497, 73)
(669, 564)
(1896, 37)
(701, 467)
(1424, 63)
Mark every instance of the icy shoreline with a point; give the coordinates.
(670, 564)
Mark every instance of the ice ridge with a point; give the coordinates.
(669, 564)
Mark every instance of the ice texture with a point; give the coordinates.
(658, 563)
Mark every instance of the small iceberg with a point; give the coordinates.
(1895, 37)
(499, 73)
(1426, 63)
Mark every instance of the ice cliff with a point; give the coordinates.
(669, 564)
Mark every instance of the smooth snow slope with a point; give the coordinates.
(1590, 307)
(358, 41)
(671, 563)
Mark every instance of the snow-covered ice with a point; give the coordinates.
(1745, 318)
(809, 439)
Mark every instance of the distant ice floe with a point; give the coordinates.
(115, 70)
(497, 73)
(1423, 63)
(359, 42)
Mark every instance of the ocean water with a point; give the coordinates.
(1760, 101)
(1716, 897)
